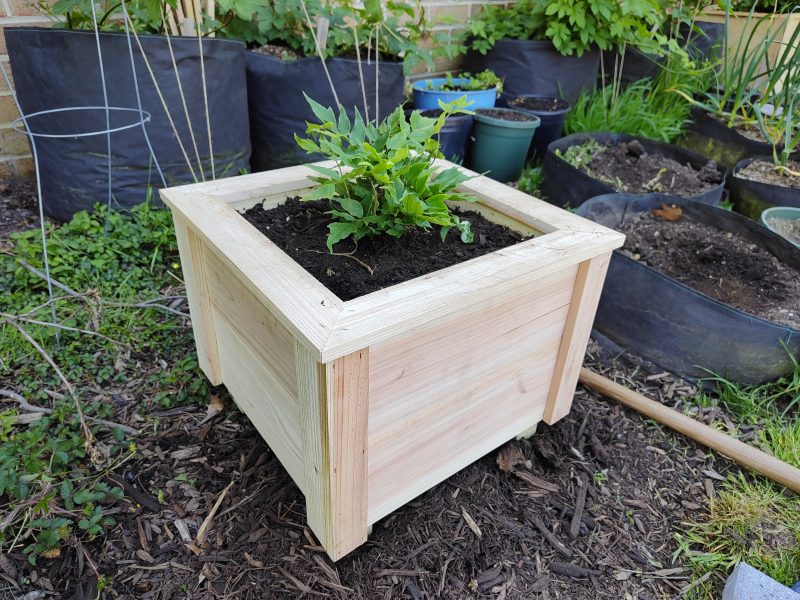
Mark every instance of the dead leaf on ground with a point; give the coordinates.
(509, 457)
(668, 213)
(215, 406)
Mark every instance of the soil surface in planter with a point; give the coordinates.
(301, 228)
(717, 263)
(788, 228)
(628, 167)
(764, 171)
(538, 104)
(506, 115)
(276, 51)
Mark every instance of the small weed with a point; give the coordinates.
(751, 521)
(530, 181)
(580, 156)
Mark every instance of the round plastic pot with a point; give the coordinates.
(453, 136)
(781, 212)
(550, 127)
(278, 109)
(751, 198)
(564, 185)
(500, 146)
(537, 68)
(656, 317)
(426, 98)
(59, 69)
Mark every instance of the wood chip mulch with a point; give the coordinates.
(587, 508)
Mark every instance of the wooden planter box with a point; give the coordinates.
(370, 402)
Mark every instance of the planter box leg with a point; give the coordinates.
(333, 408)
(583, 306)
(194, 275)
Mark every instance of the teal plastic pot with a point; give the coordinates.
(501, 138)
(781, 212)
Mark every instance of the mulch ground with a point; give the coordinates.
(503, 528)
(484, 533)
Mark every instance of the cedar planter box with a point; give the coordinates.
(368, 403)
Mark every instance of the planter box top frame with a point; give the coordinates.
(330, 328)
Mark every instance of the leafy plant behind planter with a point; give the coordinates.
(574, 26)
(385, 180)
(652, 108)
(397, 29)
(467, 82)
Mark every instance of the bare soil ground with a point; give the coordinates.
(18, 207)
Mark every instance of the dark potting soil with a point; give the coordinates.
(538, 104)
(628, 167)
(788, 228)
(717, 263)
(505, 115)
(18, 207)
(276, 51)
(764, 171)
(300, 229)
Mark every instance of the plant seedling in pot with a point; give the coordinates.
(480, 90)
(385, 180)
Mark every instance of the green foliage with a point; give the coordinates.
(51, 490)
(651, 108)
(146, 15)
(751, 521)
(530, 181)
(384, 180)
(581, 155)
(574, 26)
(397, 28)
(467, 82)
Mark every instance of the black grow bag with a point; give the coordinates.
(714, 139)
(56, 69)
(536, 68)
(564, 185)
(751, 198)
(676, 327)
(278, 109)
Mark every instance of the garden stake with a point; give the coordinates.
(746, 455)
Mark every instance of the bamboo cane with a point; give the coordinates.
(767, 465)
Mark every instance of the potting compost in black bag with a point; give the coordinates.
(56, 69)
(537, 68)
(565, 185)
(278, 109)
(658, 318)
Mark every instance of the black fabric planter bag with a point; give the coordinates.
(536, 68)
(56, 69)
(751, 198)
(676, 327)
(564, 185)
(278, 109)
(712, 138)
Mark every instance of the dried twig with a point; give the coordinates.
(347, 255)
(203, 531)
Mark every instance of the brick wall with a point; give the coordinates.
(448, 16)
(15, 157)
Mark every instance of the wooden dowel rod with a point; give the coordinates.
(767, 465)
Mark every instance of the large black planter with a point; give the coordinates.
(278, 109)
(714, 139)
(751, 198)
(564, 185)
(536, 68)
(678, 328)
(56, 69)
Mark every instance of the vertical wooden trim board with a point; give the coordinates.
(370, 402)
(583, 306)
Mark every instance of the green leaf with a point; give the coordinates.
(338, 232)
(323, 192)
(352, 207)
